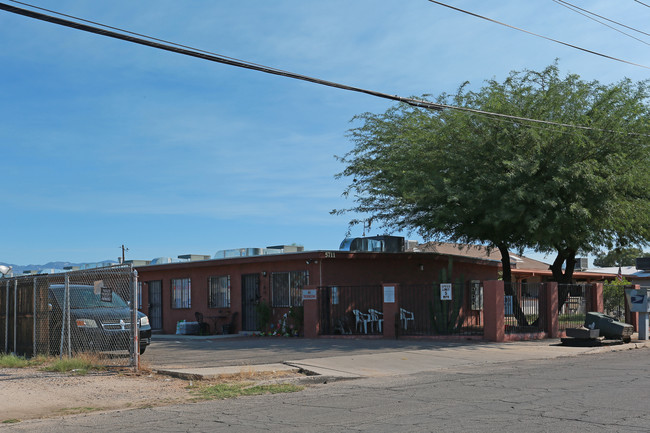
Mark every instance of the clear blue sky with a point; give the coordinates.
(105, 143)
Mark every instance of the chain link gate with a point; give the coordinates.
(66, 314)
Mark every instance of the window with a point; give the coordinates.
(219, 292)
(286, 288)
(181, 293)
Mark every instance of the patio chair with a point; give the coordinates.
(361, 318)
(405, 316)
(375, 317)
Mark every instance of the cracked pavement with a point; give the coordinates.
(600, 391)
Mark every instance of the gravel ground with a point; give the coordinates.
(28, 393)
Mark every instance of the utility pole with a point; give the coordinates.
(124, 249)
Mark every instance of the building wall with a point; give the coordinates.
(324, 267)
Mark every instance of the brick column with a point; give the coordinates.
(310, 308)
(391, 310)
(552, 313)
(493, 311)
(597, 301)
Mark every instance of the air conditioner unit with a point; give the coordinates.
(582, 263)
(643, 263)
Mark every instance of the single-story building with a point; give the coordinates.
(226, 291)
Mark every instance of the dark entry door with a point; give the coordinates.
(155, 305)
(250, 284)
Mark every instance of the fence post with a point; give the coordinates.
(391, 310)
(493, 311)
(15, 316)
(631, 318)
(135, 330)
(552, 310)
(34, 317)
(6, 317)
(311, 313)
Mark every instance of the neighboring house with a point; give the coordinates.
(630, 273)
(524, 269)
(227, 290)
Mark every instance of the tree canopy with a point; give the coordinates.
(506, 183)
(618, 257)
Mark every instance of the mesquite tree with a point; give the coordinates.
(508, 183)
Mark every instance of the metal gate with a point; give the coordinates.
(250, 297)
(155, 305)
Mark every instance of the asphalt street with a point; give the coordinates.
(595, 392)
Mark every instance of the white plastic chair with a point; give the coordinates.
(405, 316)
(361, 318)
(374, 317)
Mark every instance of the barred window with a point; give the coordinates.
(181, 293)
(219, 292)
(286, 288)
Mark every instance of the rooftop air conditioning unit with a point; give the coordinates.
(582, 263)
(643, 263)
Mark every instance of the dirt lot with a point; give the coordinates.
(27, 393)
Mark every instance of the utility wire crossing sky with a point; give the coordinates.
(107, 144)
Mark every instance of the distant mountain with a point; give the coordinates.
(20, 269)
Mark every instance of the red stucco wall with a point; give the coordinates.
(325, 268)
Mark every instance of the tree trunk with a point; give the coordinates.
(565, 256)
(509, 286)
(505, 262)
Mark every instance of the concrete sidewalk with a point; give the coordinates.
(406, 362)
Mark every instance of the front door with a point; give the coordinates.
(250, 297)
(155, 305)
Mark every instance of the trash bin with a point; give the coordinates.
(609, 327)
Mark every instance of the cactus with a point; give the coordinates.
(445, 318)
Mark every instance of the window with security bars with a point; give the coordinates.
(286, 288)
(181, 293)
(219, 292)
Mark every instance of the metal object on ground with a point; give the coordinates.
(609, 327)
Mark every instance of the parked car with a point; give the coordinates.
(100, 322)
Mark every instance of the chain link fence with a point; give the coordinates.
(89, 311)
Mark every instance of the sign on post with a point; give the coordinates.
(445, 291)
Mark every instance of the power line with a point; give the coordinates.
(578, 10)
(206, 55)
(646, 5)
(567, 4)
(538, 35)
(176, 48)
(132, 33)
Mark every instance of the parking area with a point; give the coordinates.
(180, 351)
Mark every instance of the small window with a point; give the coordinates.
(181, 293)
(286, 288)
(219, 292)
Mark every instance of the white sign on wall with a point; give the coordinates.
(308, 294)
(389, 294)
(445, 291)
